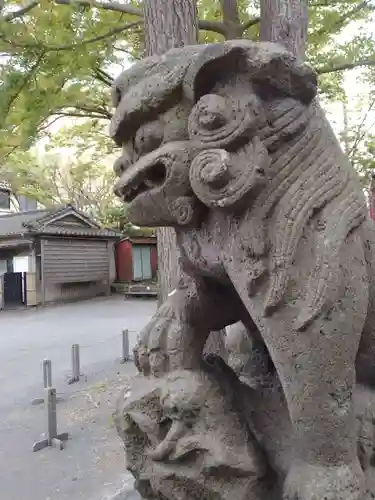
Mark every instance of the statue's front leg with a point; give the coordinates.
(316, 368)
(175, 337)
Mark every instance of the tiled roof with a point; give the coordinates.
(16, 222)
(37, 221)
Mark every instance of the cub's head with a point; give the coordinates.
(197, 128)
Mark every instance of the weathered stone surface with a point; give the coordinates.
(227, 144)
(125, 495)
(187, 436)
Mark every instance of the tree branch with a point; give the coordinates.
(360, 133)
(87, 109)
(126, 51)
(20, 12)
(341, 20)
(215, 26)
(47, 123)
(112, 6)
(58, 48)
(26, 79)
(344, 66)
(103, 77)
(77, 114)
(250, 23)
(326, 3)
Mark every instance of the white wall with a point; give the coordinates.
(21, 264)
(3, 267)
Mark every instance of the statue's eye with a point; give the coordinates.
(148, 138)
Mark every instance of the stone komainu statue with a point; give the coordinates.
(227, 144)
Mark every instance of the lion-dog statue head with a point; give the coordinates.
(234, 128)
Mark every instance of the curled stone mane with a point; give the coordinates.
(307, 175)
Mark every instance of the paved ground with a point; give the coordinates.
(28, 336)
(92, 465)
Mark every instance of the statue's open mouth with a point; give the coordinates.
(140, 178)
(154, 169)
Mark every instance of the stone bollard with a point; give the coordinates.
(76, 369)
(53, 438)
(47, 373)
(125, 346)
(47, 381)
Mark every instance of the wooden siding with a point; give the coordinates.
(74, 260)
(71, 292)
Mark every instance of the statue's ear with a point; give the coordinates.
(274, 70)
(268, 66)
(215, 62)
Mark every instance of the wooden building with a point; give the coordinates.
(54, 255)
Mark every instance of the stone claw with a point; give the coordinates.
(168, 445)
(164, 344)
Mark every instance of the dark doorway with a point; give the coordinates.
(14, 289)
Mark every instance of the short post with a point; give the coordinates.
(53, 439)
(51, 414)
(125, 346)
(47, 381)
(47, 373)
(76, 369)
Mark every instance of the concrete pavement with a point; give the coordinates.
(28, 336)
(92, 465)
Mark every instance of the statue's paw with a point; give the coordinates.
(311, 482)
(167, 344)
(151, 351)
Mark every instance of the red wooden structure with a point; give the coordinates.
(136, 259)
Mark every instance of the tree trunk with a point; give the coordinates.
(285, 22)
(231, 19)
(170, 24)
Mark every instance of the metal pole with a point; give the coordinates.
(125, 346)
(47, 373)
(75, 363)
